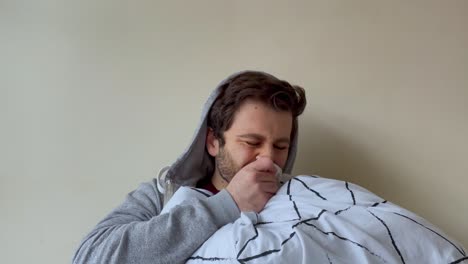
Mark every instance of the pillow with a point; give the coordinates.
(319, 220)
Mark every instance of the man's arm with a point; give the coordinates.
(135, 232)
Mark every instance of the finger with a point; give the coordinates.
(270, 188)
(267, 196)
(265, 177)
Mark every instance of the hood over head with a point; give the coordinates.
(195, 162)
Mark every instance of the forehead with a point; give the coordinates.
(259, 118)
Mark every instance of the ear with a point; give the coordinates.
(212, 143)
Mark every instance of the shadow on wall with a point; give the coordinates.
(331, 152)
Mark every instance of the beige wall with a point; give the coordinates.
(96, 96)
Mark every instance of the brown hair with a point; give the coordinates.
(278, 94)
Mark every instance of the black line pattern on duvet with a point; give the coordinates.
(269, 223)
(343, 210)
(441, 236)
(377, 204)
(346, 239)
(309, 222)
(306, 222)
(309, 219)
(459, 260)
(299, 217)
(248, 241)
(208, 259)
(263, 223)
(352, 194)
(310, 189)
(268, 252)
(391, 237)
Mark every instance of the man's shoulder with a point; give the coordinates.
(146, 195)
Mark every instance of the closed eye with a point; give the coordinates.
(253, 144)
(281, 147)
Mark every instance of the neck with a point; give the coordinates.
(218, 182)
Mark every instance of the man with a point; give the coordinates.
(249, 125)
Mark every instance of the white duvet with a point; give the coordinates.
(319, 220)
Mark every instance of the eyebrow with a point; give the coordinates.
(260, 137)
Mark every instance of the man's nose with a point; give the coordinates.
(268, 152)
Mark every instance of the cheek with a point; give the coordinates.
(245, 155)
(281, 158)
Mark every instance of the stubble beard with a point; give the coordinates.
(225, 165)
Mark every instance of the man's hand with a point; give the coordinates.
(254, 185)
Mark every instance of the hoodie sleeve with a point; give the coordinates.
(135, 232)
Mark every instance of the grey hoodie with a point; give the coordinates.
(136, 232)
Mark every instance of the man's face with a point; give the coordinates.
(257, 130)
